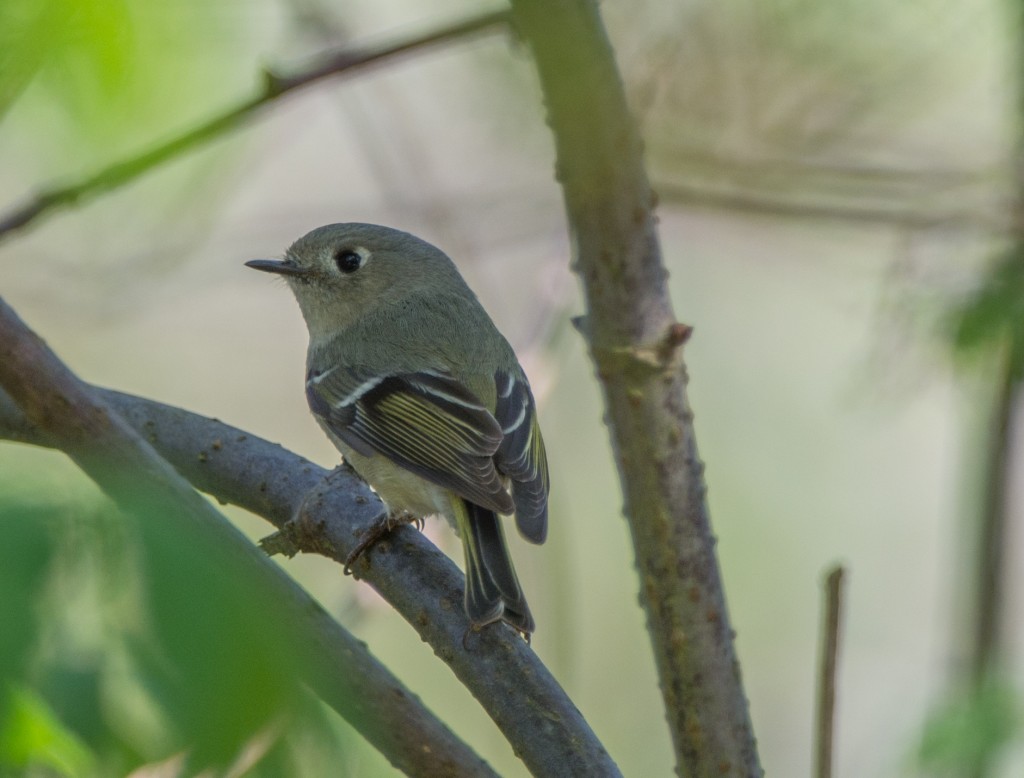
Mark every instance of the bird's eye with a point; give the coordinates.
(348, 261)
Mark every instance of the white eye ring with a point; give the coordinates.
(349, 260)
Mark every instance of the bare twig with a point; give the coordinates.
(337, 666)
(500, 670)
(827, 677)
(275, 86)
(635, 342)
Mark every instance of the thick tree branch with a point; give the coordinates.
(635, 344)
(275, 85)
(502, 672)
(68, 414)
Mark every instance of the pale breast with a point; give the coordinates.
(400, 490)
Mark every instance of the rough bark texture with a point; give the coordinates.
(635, 344)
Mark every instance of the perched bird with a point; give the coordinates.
(425, 399)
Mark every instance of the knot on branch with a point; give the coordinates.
(305, 533)
(659, 356)
(333, 520)
(675, 336)
(281, 542)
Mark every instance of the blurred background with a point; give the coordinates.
(837, 185)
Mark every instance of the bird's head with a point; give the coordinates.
(340, 271)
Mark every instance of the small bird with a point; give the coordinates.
(425, 399)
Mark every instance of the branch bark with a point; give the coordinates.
(275, 86)
(56, 406)
(635, 343)
(544, 727)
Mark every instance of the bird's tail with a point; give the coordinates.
(492, 589)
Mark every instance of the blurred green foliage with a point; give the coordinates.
(88, 83)
(993, 316)
(109, 74)
(34, 737)
(83, 50)
(971, 730)
(123, 645)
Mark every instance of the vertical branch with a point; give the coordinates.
(635, 343)
(990, 527)
(992, 535)
(827, 678)
(986, 612)
(992, 540)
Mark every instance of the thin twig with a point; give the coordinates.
(827, 677)
(341, 670)
(635, 342)
(275, 86)
(508, 679)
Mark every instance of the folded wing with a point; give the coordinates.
(427, 422)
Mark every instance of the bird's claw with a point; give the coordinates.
(384, 527)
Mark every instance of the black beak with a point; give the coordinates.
(283, 268)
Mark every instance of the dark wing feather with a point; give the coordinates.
(521, 455)
(426, 422)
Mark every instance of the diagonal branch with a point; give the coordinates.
(500, 670)
(345, 60)
(57, 406)
(635, 342)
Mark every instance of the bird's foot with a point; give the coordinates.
(475, 629)
(377, 532)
